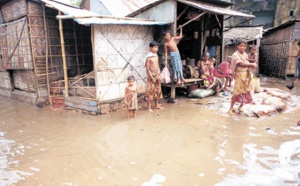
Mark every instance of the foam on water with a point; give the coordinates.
(267, 166)
(7, 160)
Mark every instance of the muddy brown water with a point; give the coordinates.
(181, 145)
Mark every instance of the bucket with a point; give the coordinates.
(256, 82)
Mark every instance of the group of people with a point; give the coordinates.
(153, 89)
(240, 68)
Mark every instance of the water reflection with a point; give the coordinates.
(8, 173)
(267, 166)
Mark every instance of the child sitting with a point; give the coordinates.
(131, 93)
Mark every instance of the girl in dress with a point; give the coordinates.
(131, 93)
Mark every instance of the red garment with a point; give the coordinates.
(223, 70)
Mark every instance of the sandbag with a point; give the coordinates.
(165, 75)
(256, 83)
(201, 93)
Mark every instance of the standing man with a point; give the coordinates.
(171, 46)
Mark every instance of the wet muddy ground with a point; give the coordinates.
(182, 145)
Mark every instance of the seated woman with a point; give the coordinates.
(205, 67)
(224, 71)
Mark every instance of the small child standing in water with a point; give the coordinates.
(131, 93)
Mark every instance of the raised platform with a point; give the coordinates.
(188, 82)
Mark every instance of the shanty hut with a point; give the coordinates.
(75, 57)
(279, 50)
(34, 58)
(202, 21)
(203, 25)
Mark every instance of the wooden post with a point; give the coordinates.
(76, 50)
(221, 30)
(62, 41)
(33, 57)
(46, 38)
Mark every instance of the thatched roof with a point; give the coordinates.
(242, 33)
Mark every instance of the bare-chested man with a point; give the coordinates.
(153, 76)
(171, 46)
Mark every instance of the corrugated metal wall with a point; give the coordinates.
(114, 47)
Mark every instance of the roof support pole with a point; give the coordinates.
(179, 16)
(192, 19)
(62, 41)
(238, 24)
(46, 42)
(218, 21)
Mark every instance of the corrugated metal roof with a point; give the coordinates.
(86, 17)
(281, 26)
(215, 9)
(125, 7)
(207, 7)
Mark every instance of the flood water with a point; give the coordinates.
(181, 145)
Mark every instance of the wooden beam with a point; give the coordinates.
(46, 38)
(99, 16)
(76, 49)
(179, 16)
(192, 19)
(62, 41)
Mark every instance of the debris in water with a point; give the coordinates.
(201, 174)
(156, 178)
(34, 169)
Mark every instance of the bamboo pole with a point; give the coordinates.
(63, 55)
(85, 91)
(33, 58)
(198, 16)
(50, 46)
(81, 78)
(76, 50)
(46, 38)
(82, 48)
(185, 9)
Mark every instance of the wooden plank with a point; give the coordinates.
(6, 81)
(79, 106)
(79, 101)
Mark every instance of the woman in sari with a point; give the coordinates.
(242, 74)
(205, 66)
